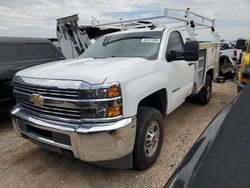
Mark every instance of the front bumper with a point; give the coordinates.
(101, 143)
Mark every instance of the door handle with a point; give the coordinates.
(189, 64)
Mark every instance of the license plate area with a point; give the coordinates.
(50, 135)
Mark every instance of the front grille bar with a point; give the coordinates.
(47, 92)
(67, 110)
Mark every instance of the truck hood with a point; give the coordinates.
(93, 71)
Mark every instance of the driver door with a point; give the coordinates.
(180, 72)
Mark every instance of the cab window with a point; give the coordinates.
(225, 46)
(175, 42)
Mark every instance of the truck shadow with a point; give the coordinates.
(69, 171)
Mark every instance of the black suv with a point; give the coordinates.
(20, 53)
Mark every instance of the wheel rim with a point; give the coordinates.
(152, 139)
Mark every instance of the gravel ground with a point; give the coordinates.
(23, 164)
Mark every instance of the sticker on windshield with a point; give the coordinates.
(147, 40)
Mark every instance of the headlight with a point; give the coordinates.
(100, 91)
(101, 101)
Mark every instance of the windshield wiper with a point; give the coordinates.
(120, 57)
(104, 57)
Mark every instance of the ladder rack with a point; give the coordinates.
(188, 20)
(74, 39)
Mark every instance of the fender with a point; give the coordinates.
(135, 88)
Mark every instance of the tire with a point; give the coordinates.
(149, 121)
(205, 93)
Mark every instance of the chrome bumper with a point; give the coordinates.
(89, 142)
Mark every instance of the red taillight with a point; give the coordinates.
(235, 53)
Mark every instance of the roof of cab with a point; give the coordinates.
(23, 40)
(158, 28)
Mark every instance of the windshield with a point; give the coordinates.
(139, 44)
(225, 46)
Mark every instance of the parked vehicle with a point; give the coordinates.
(17, 54)
(227, 68)
(229, 58)
(226, 49)
(244, 70)
(107, 107)
(240, 44)
(219, 157)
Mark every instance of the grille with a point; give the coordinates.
(51, 111)
(48, 92)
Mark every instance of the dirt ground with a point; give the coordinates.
(23, 164)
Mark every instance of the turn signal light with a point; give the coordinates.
(113, 92)
(114, 111)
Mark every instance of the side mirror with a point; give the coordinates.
(172, 55)
(191, 51)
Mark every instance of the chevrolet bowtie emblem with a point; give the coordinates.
(37, 100)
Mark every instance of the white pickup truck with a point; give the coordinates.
(226, 49)
(107, 107)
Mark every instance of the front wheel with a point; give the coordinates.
(204, 95)
(149, 137)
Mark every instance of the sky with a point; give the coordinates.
(37, 18)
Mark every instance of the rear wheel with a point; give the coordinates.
(204, 95)
(149, 137)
